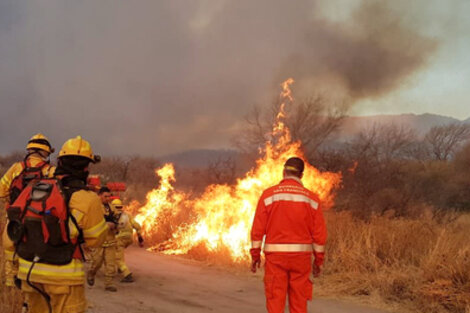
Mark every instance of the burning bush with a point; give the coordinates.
(221, 217)
(416, 260)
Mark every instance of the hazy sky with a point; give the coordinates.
(442, 87)
(154, 77)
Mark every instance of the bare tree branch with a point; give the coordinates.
(311, 122)
(443, 141)
(222, 170)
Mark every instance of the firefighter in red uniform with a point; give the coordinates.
(291, 218)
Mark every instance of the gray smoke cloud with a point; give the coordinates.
(368, 56)
(154, 77)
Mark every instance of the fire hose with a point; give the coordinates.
(41, 292)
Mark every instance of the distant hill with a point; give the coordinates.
(351, 126)
(198, 158)
(421, 123)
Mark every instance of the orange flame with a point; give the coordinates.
(162, 203)
(353, 168)
(280, 130)
(286, 93)
(223, 214)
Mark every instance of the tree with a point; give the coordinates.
(222, 170)
(385, 142)
(444, 141)
(311, 121)
(381, 162)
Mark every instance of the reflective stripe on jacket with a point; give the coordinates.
(291, 218)
(86, 207)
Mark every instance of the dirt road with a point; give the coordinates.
(167, 284)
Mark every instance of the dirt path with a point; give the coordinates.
(167, 284)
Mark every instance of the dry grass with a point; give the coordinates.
(422, 265)
(415, 265)
(10, 298)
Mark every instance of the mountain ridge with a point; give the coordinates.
(351, 126)
(198, 157)
(421, 123)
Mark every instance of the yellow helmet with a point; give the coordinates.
(117, 203)
(39, 141)
(78, 147)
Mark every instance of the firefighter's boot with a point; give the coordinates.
(128, 279)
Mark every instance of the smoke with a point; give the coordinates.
(367, 56)
(154, 77)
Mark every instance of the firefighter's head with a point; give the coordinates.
(75, 157)
(117, 204)
(294, 167)
(105, 195)
(79, 147)
(39, 144)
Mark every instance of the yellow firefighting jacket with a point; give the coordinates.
(87, 209)
(127, 224)
(110, 238)
(15, 170)
(5, 183)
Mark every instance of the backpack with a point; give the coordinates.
(27, 175)
(39, 224)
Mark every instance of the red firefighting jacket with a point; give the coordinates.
(291, 218)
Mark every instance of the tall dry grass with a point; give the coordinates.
(420, 264)
(10, 298)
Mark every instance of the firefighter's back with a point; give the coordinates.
(289, 216)
(290, 209)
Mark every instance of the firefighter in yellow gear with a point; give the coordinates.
(126, 227)
(106, 253)
(63, 285)
(38, 151)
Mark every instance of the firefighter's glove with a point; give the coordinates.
(319, 258)
(316, 270)
(141, 241)
(255, 259)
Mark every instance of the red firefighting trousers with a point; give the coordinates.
(288, 273)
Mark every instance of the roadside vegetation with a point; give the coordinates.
(407, 263)
(399, 231)
(10, 298)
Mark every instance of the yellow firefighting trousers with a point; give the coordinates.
(107, 255)
(64, 299)
(122, 244)
(121, 264)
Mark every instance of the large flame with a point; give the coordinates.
(162, 204)
(222, 215)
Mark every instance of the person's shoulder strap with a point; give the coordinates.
(69, 186)
(23, 165)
